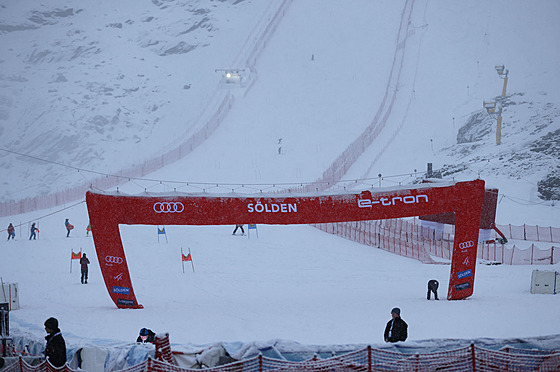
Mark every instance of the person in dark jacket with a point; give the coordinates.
(432, 287)
(146, 335)
(84, 262)
(11, 232)
(55, 351)
(396, 329)
(34, 230)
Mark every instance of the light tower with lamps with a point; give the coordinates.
(490, 107)
(503, 73)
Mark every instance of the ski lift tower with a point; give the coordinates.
(503, 74)
(490, 107)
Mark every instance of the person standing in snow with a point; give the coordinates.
(11, 232)
(396, 329)
(84, 262)
(33, 230)
(239, 227)
(69, 227)
(432, 287)
(55, 351)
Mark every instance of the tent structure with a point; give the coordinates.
(108, 210)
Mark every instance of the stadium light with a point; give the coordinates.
(490, 107)
(503, 74)
(231, 76)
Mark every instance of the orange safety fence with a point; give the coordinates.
(533, 233)
(470, 358)
(412, 240)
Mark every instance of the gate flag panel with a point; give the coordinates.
(108, 210)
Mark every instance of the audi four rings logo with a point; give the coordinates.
(113, 260)
(168, 207)
(465, 245)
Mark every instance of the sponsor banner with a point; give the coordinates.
(464, 274)
(110, 260)
(272, 207)
(169, 207)
(395, 200)
(465, 245)
(124, 302)
(462, 286)
(121, 290)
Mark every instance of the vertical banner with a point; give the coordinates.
(108, 210)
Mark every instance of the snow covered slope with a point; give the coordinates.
(103, 85)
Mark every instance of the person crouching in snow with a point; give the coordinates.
(432, 288)
(146, 335)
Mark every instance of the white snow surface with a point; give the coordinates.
(102, 85)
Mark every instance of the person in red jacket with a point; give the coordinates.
(84, 262)
(11, 232)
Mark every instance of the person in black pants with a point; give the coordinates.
(84, 262)
(239, 227)
(432, 287)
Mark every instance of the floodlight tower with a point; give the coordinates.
(503, 73)
(490, 107)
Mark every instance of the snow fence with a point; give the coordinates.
(409, 239)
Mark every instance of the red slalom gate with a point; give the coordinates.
(108, 210)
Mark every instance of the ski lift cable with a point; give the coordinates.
(254, 186)
(49, 214)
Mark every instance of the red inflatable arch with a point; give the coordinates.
(107, 211)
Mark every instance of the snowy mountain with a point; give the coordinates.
(83, 86)
(89, 90)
